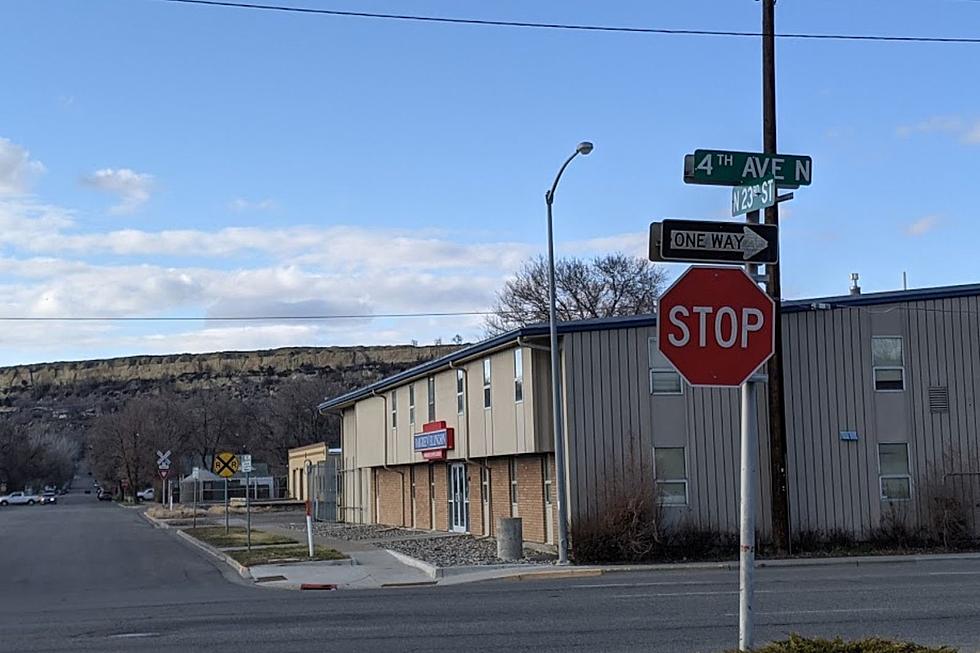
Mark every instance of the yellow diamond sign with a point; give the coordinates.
(225, 464)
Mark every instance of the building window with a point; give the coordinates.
(665, 382)
(411, 405)
(888, 361)
(518, 375)
(486, 383)
(431, 387)
(893, 470)
(546, 479)
(460, 397)
(513, 485)
(394, 410)
(671, 474)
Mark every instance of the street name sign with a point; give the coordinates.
(754, 196)
(730, 168)
(701, 241)
(225, 464)
(715, 326)
(246, 462)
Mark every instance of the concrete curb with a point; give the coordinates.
(430, 570)
(156, 523)
(242, 570)
(436, 573)
(843, 561)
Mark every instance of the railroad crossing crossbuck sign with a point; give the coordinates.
(163, 463)
(715, 326)
(225, 464)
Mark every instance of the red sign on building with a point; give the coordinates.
(715, 326)
(434, 441)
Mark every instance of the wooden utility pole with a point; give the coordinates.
(777, 411)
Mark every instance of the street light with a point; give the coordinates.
(582, 148)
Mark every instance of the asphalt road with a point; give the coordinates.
(90, 576)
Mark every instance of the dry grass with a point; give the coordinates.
(179, 512)
(297, 553)
(236, 536)
(797, 644)
(237, 510)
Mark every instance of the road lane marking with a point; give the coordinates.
(775, 613)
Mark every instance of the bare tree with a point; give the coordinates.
(606, 286)
(35, 458)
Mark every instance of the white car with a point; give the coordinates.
(18, 499)
(145, 495)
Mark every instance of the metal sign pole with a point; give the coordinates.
(226, 505)
(248, 513)
(309, 514)
(195, 503)
(750, 463)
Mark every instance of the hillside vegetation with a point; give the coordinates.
(262, 401)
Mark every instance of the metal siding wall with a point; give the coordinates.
(830, 388)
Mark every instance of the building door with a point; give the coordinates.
(459, 506)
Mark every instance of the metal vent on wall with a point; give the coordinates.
(939, 399)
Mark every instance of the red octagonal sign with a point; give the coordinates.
(715, 326)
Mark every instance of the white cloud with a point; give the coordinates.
(966, 131)
(132, 188)
(637, 244)
(972, 135)
(922, 226)
(241, 205)
(17, 169)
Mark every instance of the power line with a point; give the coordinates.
(239, 318)
(575, 27)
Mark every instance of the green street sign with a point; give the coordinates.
(753, 197)
(726, 168)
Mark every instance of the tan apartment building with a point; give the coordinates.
(880, 402)
(300, 458)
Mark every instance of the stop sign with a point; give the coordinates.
(715, 326)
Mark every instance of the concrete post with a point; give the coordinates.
(510, 538)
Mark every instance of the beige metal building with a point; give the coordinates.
(880, 402)
(299, 459)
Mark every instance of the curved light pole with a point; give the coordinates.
(582, 148)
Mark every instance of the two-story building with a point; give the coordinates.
(880, 396)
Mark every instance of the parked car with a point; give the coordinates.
(49, 496)
(18, 499)
(145, 495)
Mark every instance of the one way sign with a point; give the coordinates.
(699, 241)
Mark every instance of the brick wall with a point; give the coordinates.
(550, 458)
(530, 497)
(442, 496)
(423, 514)
(388, 486)
(499, 491)
(476, 500)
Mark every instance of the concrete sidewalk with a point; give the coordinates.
(373, 567)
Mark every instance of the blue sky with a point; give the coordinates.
(166, 159)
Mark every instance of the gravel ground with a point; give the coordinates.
(460, 551)
(357, 532)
